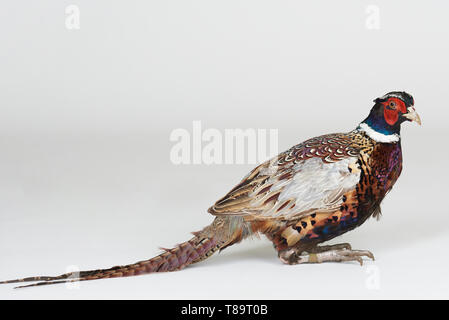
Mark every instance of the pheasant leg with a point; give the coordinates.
(333, 253)
(338, 246)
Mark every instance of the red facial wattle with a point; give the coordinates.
(391, 114)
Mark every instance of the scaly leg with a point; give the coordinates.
(338, 246)
(332, 253)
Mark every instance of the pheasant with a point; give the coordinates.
(309, 194)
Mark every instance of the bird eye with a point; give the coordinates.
(392, 105)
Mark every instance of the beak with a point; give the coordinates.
(412, 115)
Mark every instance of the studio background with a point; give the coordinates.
(86, 115)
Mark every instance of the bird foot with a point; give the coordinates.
(334, 253)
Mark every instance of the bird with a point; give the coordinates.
(309, 194)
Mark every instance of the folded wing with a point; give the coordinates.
(312, 176)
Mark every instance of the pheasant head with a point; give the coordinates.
(383, 124)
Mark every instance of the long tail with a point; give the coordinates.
(220, 234)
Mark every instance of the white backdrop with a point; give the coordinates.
(86, 114)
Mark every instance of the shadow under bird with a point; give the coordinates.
(309, 194)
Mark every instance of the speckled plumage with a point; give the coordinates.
(377, 167)
(309, 194)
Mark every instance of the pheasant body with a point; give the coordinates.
(374, 168)
(309, 194)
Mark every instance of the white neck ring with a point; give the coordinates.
(377, 136)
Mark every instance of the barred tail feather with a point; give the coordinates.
(204, 244)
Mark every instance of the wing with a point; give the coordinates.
(309, 177)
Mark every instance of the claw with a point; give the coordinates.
(357, 254)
